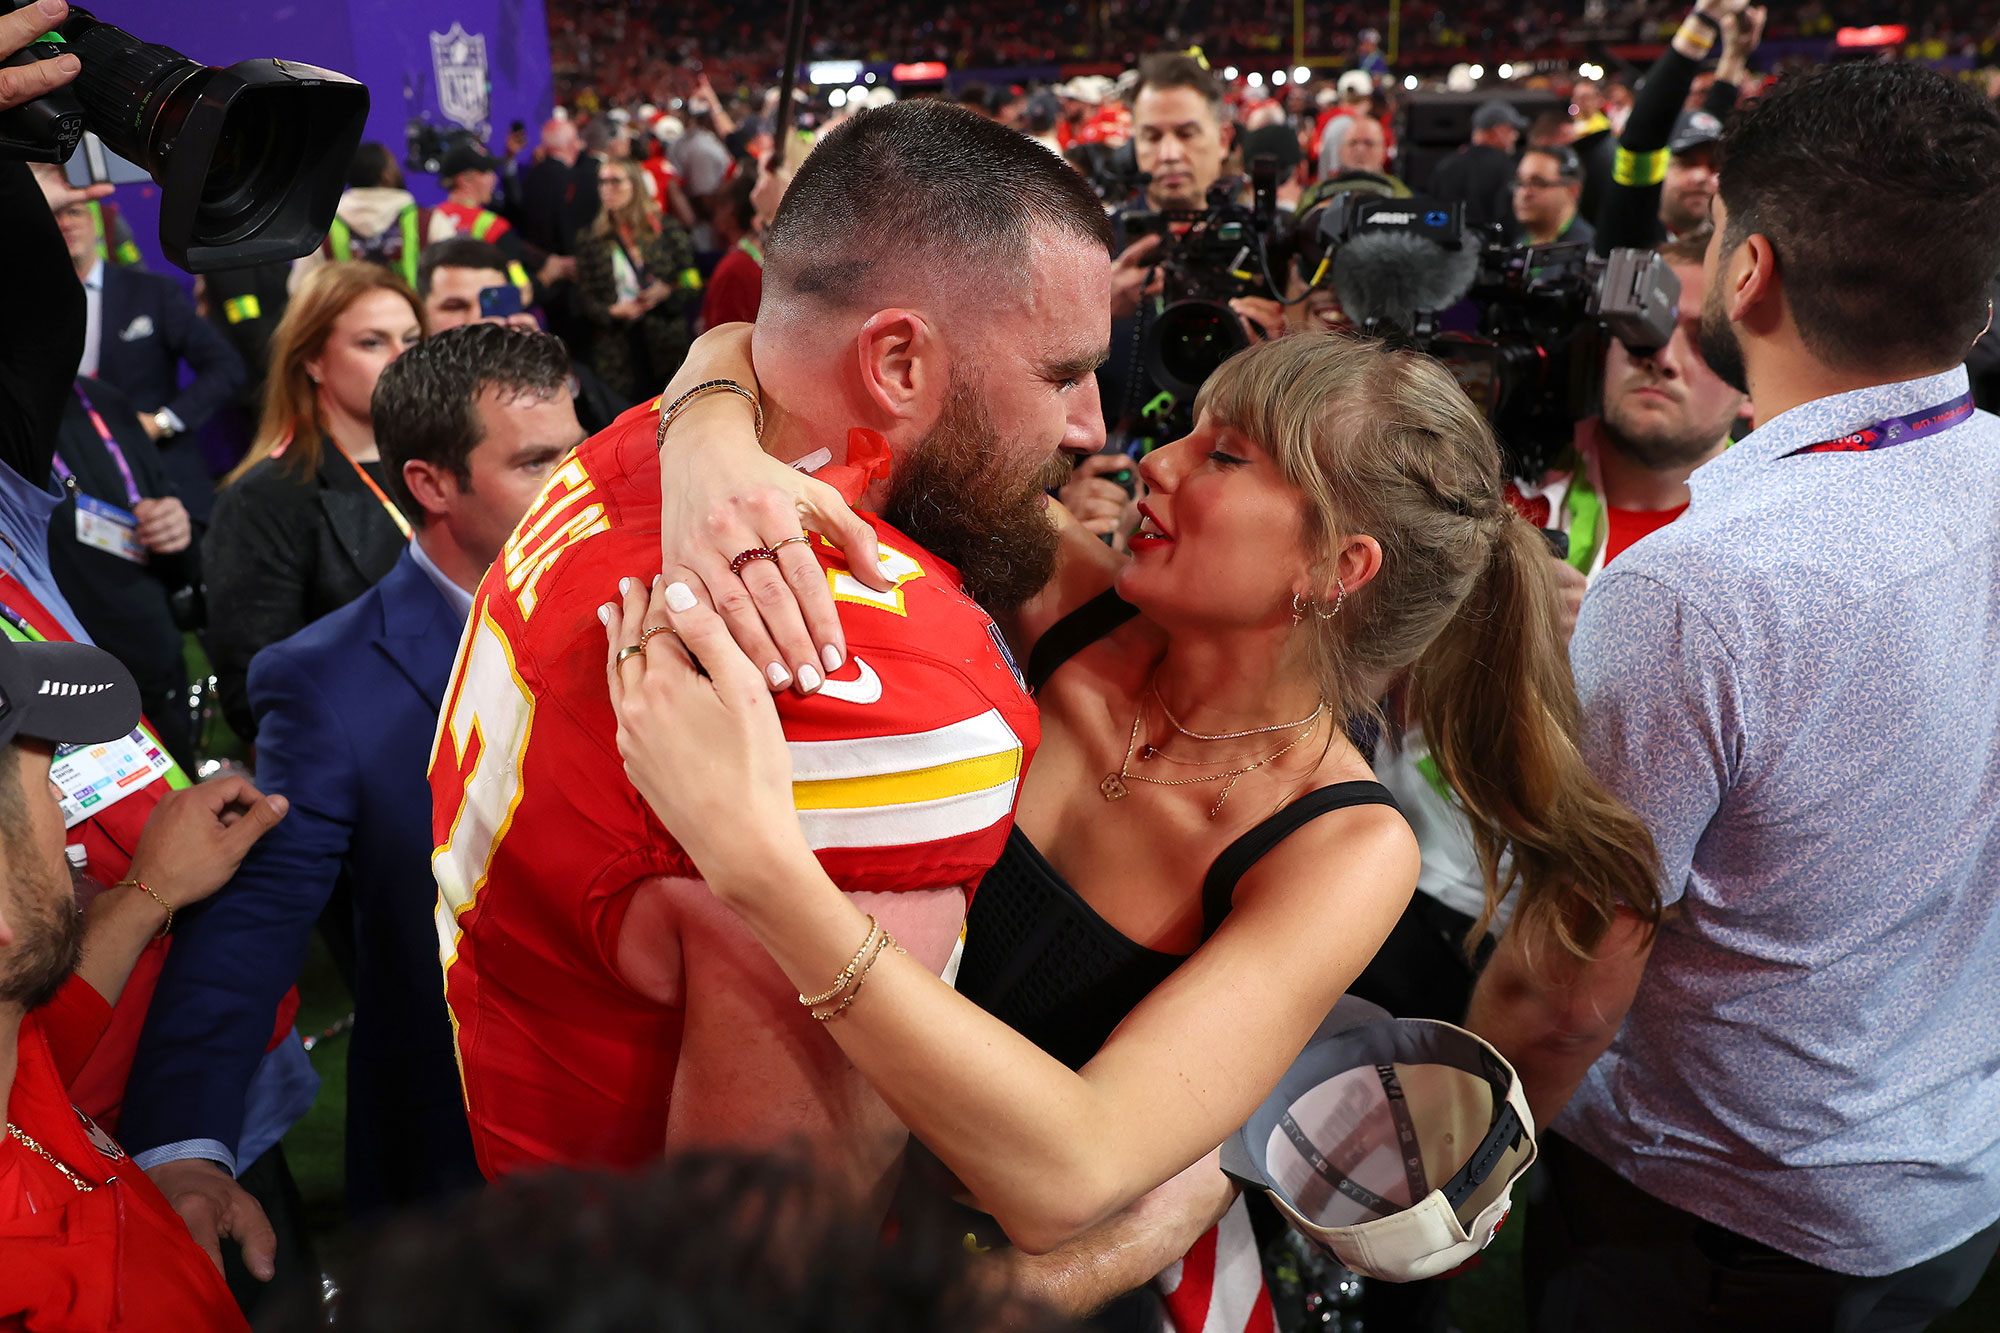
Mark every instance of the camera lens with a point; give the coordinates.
(1190, 340)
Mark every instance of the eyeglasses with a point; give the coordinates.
(612, 180)
(1539, 183)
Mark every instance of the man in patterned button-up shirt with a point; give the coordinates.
(1797, 687)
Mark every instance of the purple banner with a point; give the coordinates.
(476, 64)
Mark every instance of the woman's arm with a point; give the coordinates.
(721, 494)
(1085, 567)
(1049, 1152)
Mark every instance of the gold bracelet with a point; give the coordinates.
(846, 975)
(147, 889)
(706, 386)
(1698, 30)
(886, 943)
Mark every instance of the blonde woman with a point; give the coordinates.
(1201, 862)
(636, 284)
(305, 524)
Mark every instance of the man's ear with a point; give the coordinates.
(1755, 294)
(903, 362)
(431, 486)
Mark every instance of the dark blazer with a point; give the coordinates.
(284, 549)
(346, 709)
(126, 607)
(149, 328)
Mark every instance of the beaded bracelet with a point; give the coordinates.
(882, 946)
(707, 386)
(846, 976)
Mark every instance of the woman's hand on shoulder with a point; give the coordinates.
(699, 734)
(721, 495)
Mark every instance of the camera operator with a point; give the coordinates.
(1663, 173)
(1179, 142)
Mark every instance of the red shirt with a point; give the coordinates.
(1625, 526)
(464, 217)
(116, 1257)
(734, 289)
(906, 767)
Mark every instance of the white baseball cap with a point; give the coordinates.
(1355, 83)
(1392, 1143)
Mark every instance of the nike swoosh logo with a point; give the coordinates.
(865, 690)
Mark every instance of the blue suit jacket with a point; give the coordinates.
(150, 327)
(346, 710)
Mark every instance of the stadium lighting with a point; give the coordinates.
(1230, 74)
(869, 77)
(1478, 73)
(1506, 71)
(1410, 82)
(837, 98)
(858, 94)
(1277, 78)
(1301, 74)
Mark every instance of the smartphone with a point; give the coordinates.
(94, 164)
(498, 302)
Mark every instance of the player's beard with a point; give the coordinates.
(48, 934)
(960, 496)
(1660, 448)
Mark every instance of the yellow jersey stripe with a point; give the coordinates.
(874, 756)
(924, 784)
(910, 824)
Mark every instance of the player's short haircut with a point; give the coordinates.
(920, 183)
(425, 403)
(1170, 69)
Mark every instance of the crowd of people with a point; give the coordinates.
(847, 795)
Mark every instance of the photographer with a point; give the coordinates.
(1663, 173)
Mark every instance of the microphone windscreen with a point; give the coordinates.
(1390, 276)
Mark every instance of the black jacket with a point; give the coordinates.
(125, 606)
(558, 203)
(284, 549)
(1482, 178)
(150, 327)
(41, 336)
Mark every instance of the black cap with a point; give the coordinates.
(64, 693)
(465, 158)
(1495, 112)
(1693, 129)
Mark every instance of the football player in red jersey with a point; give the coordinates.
(936, 296)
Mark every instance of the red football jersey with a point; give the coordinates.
(906, 765)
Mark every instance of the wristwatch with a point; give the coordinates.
(164, 423)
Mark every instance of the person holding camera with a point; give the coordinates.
(1779, 1109)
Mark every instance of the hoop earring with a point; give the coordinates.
(1301, 604)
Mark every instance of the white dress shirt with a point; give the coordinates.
(93, 328)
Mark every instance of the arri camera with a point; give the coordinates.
(250, 159)
(1533, 356)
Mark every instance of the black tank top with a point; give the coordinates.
(1037, 956)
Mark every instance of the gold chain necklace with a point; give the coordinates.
(1154, 686)
(1114, 787)
(82, 1186)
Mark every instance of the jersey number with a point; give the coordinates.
(896, 567)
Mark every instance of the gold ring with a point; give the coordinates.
(630, 650)
(779, 546)
(657, 629)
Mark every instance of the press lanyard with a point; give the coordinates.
(395, 514)
(62, 469)
(749, 247)
(1896, 430)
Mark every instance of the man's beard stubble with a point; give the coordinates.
(954, 494)
(48, 939)
(1718, 342)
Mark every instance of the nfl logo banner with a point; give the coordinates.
(459, 58)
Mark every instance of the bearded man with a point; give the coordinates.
(929, 338)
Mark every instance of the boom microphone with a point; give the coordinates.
(1389, 277)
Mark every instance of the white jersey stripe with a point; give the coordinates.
(873, 756)
(907, 825)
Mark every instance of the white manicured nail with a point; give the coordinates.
(831, 656)
(808, 680)
(624, 587)
(679, 597)
(779, 676)
(604, 614)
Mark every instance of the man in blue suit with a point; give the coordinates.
(141, 327)
(471, 423)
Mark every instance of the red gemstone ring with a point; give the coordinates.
(754, 553)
